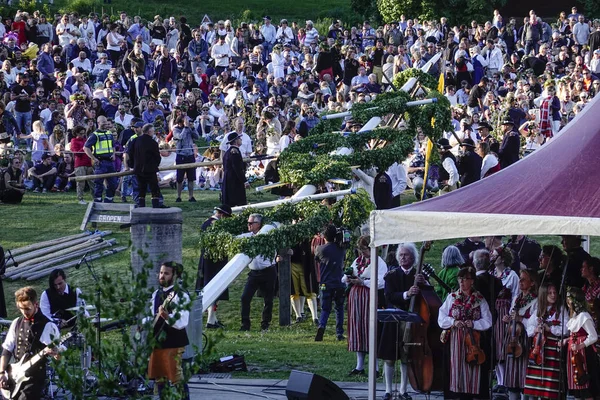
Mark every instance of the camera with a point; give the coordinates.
(343, 237)
(80, 102)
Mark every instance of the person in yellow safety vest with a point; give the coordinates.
(100, 148)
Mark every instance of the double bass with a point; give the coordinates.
(421, 340)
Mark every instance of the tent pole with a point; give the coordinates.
(586, 244)
(373, 325)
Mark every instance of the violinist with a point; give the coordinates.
(543, 372)
(551, 259)
(358, 301)
(464, 314)
(490, 288)
(400, 287)
(517, 342)
(590, 270)
(582, 364)
(502, 258)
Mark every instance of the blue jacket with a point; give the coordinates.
(198, 48)
(159, 67)
(46, 65)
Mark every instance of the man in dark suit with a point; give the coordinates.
(208, 269)
(146, 159)
(469, 164)
(576, 255)
(509, 148)
(233, 191)
(489, 286)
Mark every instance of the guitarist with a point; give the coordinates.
(171, 319)
(27, 334)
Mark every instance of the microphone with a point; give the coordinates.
(82, 260)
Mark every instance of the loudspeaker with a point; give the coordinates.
(306, 386)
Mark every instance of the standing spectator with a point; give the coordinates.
(448, 173)
(184, 138)
(198, 51)
(65, 31)
(532, 34)
(99, 147)
(469, 164)
(165, 71)
(83, 163)
(581, 31)
(114, 42)
(331, 261)
(220, 52)
(233, 190)
(45, 66)
(269, 33)
(21, 94)
(312, 34)
(146, 159)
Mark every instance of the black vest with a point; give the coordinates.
(444, 175)
(469, 168)
(59, 303)
(175, 338)
(28, 336)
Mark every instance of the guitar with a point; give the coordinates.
(17, 372)
(159, 322)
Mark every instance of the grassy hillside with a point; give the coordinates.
(246, 10)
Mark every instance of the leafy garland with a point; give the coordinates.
(308, 161)
(299, 222)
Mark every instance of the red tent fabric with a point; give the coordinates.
(561, 179)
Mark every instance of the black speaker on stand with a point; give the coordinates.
(306, 386)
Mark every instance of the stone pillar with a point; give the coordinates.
(157, 232)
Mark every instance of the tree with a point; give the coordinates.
(457, 11)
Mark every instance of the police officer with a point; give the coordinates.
(100, 148)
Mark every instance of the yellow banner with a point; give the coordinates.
(427, 158)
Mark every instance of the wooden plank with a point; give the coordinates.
(90, 207)
(110, 219)
(112, 207)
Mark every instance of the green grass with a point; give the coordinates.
(268, 355)
(245, 10)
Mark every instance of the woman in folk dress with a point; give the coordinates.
(358, 301)
(463, 310)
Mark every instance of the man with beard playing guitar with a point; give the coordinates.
(28, 334)
(170, 321)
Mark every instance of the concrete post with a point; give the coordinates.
(157, 232)
(285, 284)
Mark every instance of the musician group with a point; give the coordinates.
(524, 314)
(37, 332)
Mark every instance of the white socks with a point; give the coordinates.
(500, 373)
(302, 301)
(212, 314)
(296, 305)
(388, 374)
(403, 377)
(360, 360)
(312, 305)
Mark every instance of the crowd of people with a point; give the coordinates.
(512, 85)
(87, 95)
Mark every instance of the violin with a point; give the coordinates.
(475, 355)
(578, 362)
(514, 348)
(537, 353)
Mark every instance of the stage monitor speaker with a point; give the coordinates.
(306, 386)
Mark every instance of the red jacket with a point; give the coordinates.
(81, 159)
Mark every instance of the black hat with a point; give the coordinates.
(232, 136)
(484, 125)
(443, 143)
(267, 17)
(45, 156)
(468, 143)
(508, 121)
(225, 209)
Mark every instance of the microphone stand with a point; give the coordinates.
(562, 296)
(97, 322)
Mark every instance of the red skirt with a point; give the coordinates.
(358, 318)
(544, 380)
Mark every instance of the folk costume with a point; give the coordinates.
(525, 306)
(543, 380)
(582, 329)
(233, 192)
(458, 306)
(171, 335)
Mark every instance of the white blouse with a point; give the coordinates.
(366, 275)
(445, 321)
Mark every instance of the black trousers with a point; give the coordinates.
(145, 181)
(265, 281)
